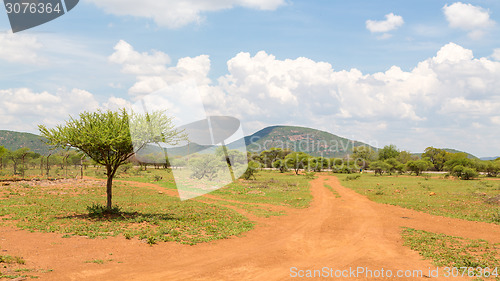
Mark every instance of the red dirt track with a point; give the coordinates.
(338, 233)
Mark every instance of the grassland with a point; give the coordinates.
(474, 200)
(68, 206)
(473, 258)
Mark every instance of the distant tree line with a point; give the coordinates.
(17, 162)
(387, 160)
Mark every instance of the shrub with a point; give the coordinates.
(98, 210)
(251, 170)
(464, 173)
(353, 177)
(457, 171)
(280, 165)
(125, 168)
(157, 178)
(468, 174)
(310, 175)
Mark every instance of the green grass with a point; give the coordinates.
(97, 261)
(452, 251)
(143, 213)
(11, 260)
(271, 187)
(438, 196)
(329, 187)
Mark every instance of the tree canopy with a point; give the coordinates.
(106, 137)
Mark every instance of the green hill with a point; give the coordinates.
(311, 141)
(451, 150)
(15, 140)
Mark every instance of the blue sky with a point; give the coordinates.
(411, 73)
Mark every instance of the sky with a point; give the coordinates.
(413, 73)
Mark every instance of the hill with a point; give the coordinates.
(312, 141)
(451, 150)
(489, 158)
(15, 140)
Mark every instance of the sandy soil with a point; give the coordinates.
(336, 233)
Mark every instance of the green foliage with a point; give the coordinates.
(458, 159)
(353, 177)
(280, 165)
(98, 211)
(464, 173)
(205, 166)
(105, 137)
(14, 140)
(268, 157)
(469, 200)
(388, 152)
(297, 161)
(452, 251)
(143, 212)
(492, 168)
(310, 175)
(418, 166)
(437, 157)
(380, 167)
(469, 173)
(405, 156)
(251, 170)
(365, 153)
(10, 259)
(343, 169)
(318, 163)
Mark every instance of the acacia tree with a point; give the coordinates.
(106, 137)
(388, 152)
(297, 161)
(18, 157)
(3, 151)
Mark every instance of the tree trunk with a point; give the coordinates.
(81, 168)
(109, 186)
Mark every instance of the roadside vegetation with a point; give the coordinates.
(76, 207)
(471, 257)
(477, 200)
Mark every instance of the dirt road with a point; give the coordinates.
(342, 233)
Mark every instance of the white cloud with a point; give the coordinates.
(175, 14)
(19, 48)
(430, 104)
(138, 63)
(390, 23)
(23, 109)
(473, 19)
(152, 71)
(496, 54)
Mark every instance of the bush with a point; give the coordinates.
(464, 173)
(310, 175)
(157, 178)
(125, 168)
(251, 170)
(469, 173)
(457, 171)
(342, 170)
(98, 210)
(280, 165)
(353, 177)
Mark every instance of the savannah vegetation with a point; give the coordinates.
(146, 207)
